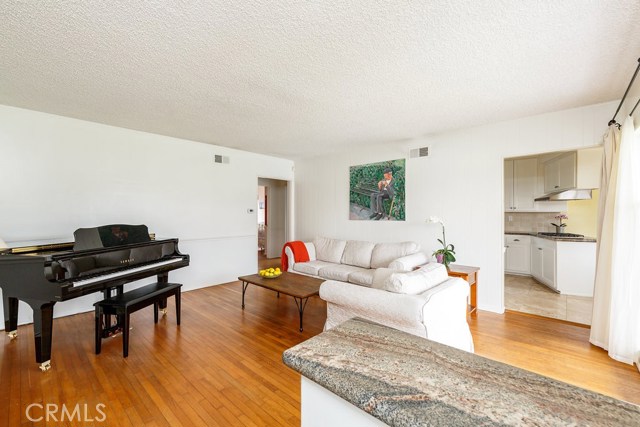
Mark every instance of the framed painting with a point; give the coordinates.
(376, 191)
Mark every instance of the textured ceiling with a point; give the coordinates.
(299, 78)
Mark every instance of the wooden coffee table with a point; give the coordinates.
(295, 285)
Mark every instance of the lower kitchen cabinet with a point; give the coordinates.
(549, 271)
(543, 261)
(565, 266)
(517, 253)
(576, 267)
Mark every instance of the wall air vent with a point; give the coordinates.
(420, 152)
(220, 159)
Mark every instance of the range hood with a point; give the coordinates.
(573, 194)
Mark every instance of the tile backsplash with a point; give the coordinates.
(531, 222)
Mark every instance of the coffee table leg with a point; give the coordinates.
(301, 305)
(244, 289)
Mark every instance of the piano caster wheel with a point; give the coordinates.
(45, 366)
(12, 335)
(163, 311)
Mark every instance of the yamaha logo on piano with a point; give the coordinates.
(127, 261)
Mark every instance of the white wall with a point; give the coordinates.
(461, 181)
(58, 174)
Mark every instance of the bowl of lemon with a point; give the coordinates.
(270, 273)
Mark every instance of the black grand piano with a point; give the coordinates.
(101, 259)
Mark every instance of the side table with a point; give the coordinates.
(470, 274)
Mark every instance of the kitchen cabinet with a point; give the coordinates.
(549, 266)
(560, 173)
(520, 177)
(576, 267)
(517, 254)
(576, 169)
(567, 267)
(543, 261)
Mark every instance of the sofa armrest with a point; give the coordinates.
(346, 301)
(311, 250)
(438, 314)
(445, 314)
(409, 262)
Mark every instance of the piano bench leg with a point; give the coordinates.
(98, 329)
(155, 313)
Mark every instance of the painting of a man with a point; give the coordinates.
(385, 191)
(376, 191)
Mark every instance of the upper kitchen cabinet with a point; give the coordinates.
(560, 173)
(523, 180)
(573, 170)
(520, 177)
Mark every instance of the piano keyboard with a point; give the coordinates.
(126, 272)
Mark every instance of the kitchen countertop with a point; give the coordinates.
(405, 380)
(558, 239)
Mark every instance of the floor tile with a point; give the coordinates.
(579, 309)
(525, 294)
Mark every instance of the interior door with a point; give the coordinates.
(276, 199)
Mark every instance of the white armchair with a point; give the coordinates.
(439, 313)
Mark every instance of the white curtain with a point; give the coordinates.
(616, 306)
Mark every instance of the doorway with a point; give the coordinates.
(272, 220)
(546, 275)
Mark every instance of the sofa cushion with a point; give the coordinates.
(380, 276)
(310, 267)
(417, 281)
(338, 272)
(362, 277)
(357, 253)
(329, 250)
(384, 253)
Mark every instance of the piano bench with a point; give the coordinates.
(128, 302)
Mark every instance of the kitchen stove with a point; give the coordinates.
(563, 235)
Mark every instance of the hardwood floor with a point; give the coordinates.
(223, 366)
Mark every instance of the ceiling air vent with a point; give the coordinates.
(420, 152)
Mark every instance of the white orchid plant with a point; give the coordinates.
(447, 252)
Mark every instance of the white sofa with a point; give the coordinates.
(391, 291)
(355, 261)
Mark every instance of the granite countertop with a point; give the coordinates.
(557, 239)
(405, 380)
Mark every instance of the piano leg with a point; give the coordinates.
(10, 305)
(42, 331)
(110, 329)
(162, 304)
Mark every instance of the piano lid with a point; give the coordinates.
(108, 236)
